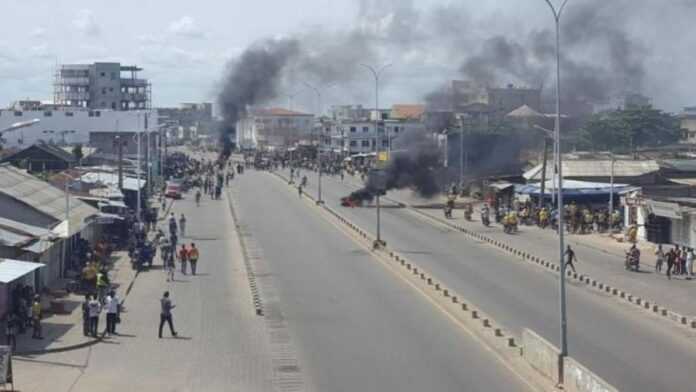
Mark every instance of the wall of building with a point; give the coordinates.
(82, 121)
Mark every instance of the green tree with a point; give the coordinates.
(77, 152)
(629, 129)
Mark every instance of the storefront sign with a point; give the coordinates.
(664, 209)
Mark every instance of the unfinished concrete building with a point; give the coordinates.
(101, 86)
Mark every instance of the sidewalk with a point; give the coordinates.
(599, 256)
(63, 331)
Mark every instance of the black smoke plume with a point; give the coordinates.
(416, 164)
(251, 79)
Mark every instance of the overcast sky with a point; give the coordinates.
(183, 45)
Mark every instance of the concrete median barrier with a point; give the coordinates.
(543, 356)
(578, 378)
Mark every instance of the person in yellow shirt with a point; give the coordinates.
(36, 317)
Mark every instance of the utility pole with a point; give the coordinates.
(138, 135)
(376, 73)
(559, 167)
(543, 171)
(319, 137)
(118, 143)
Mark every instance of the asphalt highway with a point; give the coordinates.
(629, 348)
(355, 325)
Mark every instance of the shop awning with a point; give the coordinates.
(665, 209)
(11, 270)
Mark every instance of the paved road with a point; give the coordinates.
(355, 325)
(625, 346)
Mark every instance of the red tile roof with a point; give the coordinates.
(408, 112)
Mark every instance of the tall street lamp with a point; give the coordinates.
(377, 73)
(318, 93)
(557, 12)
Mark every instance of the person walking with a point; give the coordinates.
(182, 225)
(11, 331)
(166, 307)
(94, 308)
(36, 313)
(193, 258)
(172, 225)
(690, 263)
(659, 258)
(183, 258)
(671, 257)
(113, 304)
(570, 258)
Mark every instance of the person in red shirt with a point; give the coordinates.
(183, 257)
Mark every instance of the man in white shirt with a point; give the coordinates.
(94, 308)
(112, 311)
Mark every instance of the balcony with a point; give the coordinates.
(127, 82)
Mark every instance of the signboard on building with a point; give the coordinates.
(664, 209)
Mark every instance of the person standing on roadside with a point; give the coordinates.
(659, 258)
(183, 258)
(94, 310)
(113, 303)
(36, 313)
(85, 315)
(671, 257)
(172, 225)
(182, 225)
(690, 263)
(570, 258)
(193, 258)
(166, 307)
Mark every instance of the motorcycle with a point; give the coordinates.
(485, 219)
(448, 212)
(467, 215)
(632, 263)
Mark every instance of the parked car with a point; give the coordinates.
(173, 190)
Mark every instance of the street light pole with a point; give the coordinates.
(611, 186)
(316, 91)
(138, 169)
(557, 141)
(376, 73)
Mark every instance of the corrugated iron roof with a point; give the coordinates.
(687, 165)
(596, 168)
(11, 270)
(42, 196)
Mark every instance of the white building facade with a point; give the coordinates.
(273, 128)
(358, 137)
(70, 125)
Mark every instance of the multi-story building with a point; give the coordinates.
(273, 128)
(688, 124)
(364, 135)
(188, 119)
(349, 112)
(101, 86)
(69, 125)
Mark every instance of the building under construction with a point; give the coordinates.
(101, 86)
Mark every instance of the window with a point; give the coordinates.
(111, 89)
(113, 105)
(17, 113)
(103, 90)
(385, 143)
(366, 143)
(48, 113)
(68, 114)
(103, 74)
(396, 130)
(97, 113)
(353, 129)
(380, 129)
(91, 113)
(113, 76)
(366, 129)
(353, 143)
